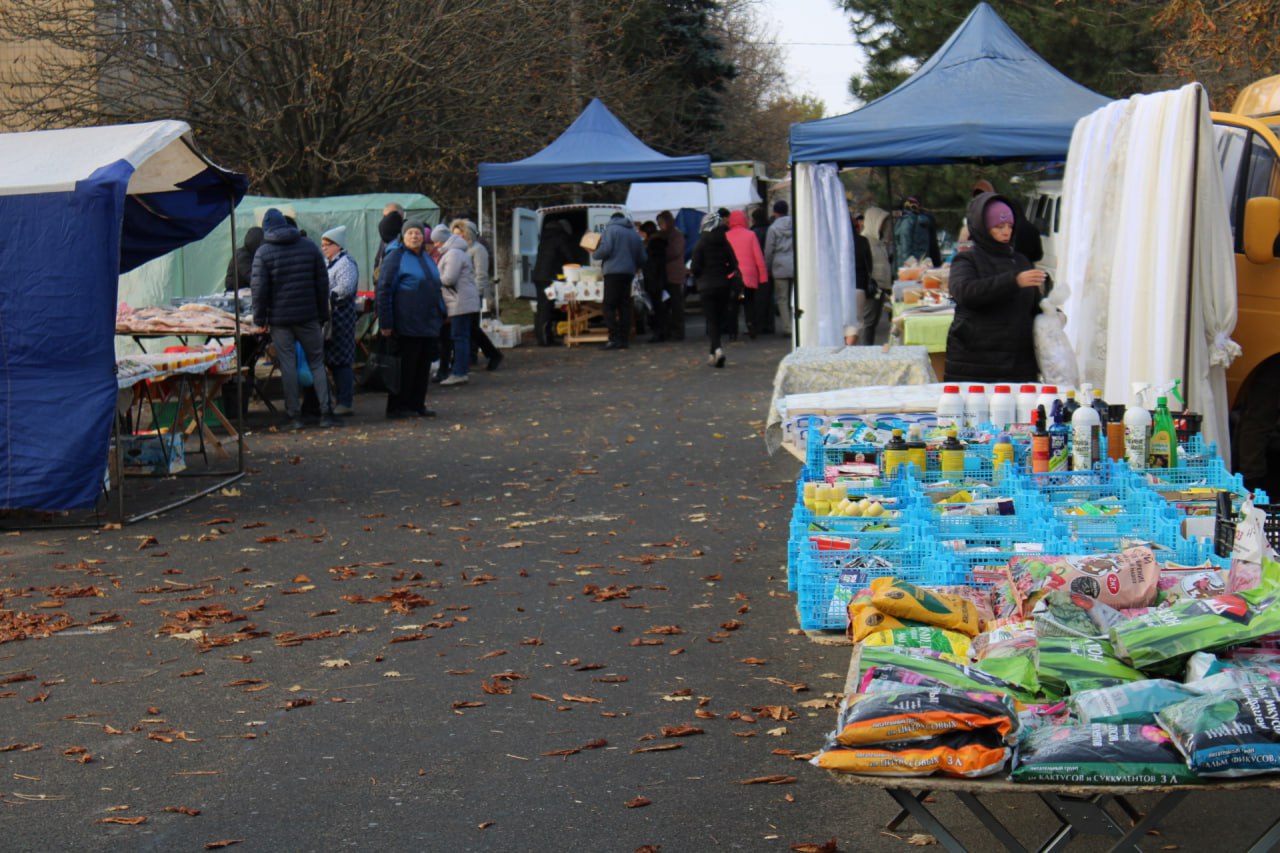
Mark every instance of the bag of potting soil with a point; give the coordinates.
(1066, 614)
(904, 600)
(966, 755)
(1019, 671)
(1178, 583)
(1127, 579)
(869, 620)
(1195, 625)
(1064, 661)
(910, 666)
(1100, 754)
(1135, 702)
(951, 643)
(1014, 640)
(912, 714)
(1231, 733)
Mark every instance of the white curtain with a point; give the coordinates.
(1134, 177)
(825, 268)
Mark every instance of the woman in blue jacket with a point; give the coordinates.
(411, 308)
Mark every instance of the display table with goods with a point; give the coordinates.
(1056, 634)
(580, 294)
(808, 370)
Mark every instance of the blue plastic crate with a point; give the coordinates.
(807, 543)
(828, 581)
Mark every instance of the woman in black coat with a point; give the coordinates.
(997, 294)
(715, 268)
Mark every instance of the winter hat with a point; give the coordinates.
(710, 222)
(441, 233)
(336, 235)
(389, 227)
(780, 207)
(273, 219)
(997, 213)
(413, 223)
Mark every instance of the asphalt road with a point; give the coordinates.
(554, 617)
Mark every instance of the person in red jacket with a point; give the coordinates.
(746, 248)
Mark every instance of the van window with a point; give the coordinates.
(1249, 170)
(1057, 215)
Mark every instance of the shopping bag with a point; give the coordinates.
(382, 370)
(305, 379)
(1054, 355)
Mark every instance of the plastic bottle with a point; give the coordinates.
(1100, 406)
(917, 451)
(975, 406)
(1163, 452)
(1002, 456)
(1003, 407)
(1137, 429)
(950, 407)
(951, 456)
(1086, 439)
(1059, 443)
(895, 454)
(1069, 406)
(1051, 402)
(1115, 432)
(1039, 444)
(1026, 404)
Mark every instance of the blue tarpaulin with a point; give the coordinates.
(78, 207)
(596, 147)
(983, 96)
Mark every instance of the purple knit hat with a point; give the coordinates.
(997, 213)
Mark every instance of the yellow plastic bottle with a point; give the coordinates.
(951, 457)
(895, 454)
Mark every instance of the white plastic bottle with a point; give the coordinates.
(975, 406)
(1002, 407)
(1137, 428)
(1048, 396)
(950, 408)
(1027, 399)
(1086, 439)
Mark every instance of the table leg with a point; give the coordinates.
(1079, 815)
(1133, 840)
(1269, 841)
(925, 818)
(991, 822)
(904, 814)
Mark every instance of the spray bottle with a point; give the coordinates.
(1039, 444)
(1163, 452)
(1137, 428)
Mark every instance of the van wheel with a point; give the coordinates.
(1255, 427)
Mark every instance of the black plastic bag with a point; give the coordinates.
(381, 371)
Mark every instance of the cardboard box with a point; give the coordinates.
(152, 452)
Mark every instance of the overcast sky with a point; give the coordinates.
(821, 52)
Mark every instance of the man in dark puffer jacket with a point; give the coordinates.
(291, 300)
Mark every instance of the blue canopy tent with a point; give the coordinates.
(984, 96)
(78, 207)
(596, 147)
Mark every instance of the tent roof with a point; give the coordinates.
(596, 147)
(984, 95)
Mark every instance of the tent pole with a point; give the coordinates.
(795, 268)
(235, 277)
(497, 285)
(1191, 260)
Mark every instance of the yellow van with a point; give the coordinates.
(1248, 151)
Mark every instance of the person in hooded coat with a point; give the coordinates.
(876, 228)
(555, 249)
(291, 300)
(715, 268)
(746, 250)
(997, 294)
(621, 252)
(240, 268)
(461, 298)
(779, 254)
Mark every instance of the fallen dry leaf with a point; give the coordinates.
(124, 821)
(335, 663)
(824, 847)
(638, 803)
(662, 747)
(769, 780)
(665, 629)
(754, 661)
(226, 842)
(921, 839)
(590, 700)
(681, 731)
(186, 810)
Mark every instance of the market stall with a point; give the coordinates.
(984, 96)
(595, 148)
(112, 198)
(1077, 629)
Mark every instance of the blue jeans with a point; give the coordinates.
(460, 331)
(343, 385)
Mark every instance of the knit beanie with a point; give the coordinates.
(997, 213)
(440, 233)
(389, 227)
(336, 235)
(413, 223)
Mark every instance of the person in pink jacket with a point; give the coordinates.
(746, 248)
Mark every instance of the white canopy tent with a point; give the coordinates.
(646, 200)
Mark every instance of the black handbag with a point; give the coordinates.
(382, 369)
